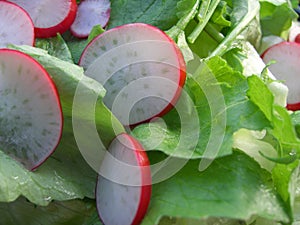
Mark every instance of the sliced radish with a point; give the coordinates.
(14, 20)
(89, 14)
(287, 57)
(124, 185)
(30, 110)
(49, 16)
(141, 68)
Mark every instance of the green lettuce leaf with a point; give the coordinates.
(243, 14)
(285, 180)
(55, 46)
(77, 45)
(219, 33)
(233, 186)
(276, 17)
(160, 13)
(73, 212)
(296, 122)
(186, 11)
(217, 96)
(285, 133)
(221, 15)
(57, 179)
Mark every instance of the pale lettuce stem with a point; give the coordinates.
(203, 10)
(201, 25)
(214, 33)
(183, 22)
(231, 37)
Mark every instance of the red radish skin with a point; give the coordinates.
(126, 211)
(287, 56)
(32, 120)
(14, 20)
(50, 17)
(143, 42)
(297, 38)
(89, 14)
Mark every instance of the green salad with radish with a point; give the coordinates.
(149, 112)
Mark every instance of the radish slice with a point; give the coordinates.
(141, 68)
(89, 14)
(49, 16)
(123, 195)
(14, 20)
(30, 110)
(287, 56)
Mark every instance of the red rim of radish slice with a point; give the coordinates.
(145, 190)
(293, 107)
(35, 69)
(284, 67)
(88, 60)
(49, 30)
(25, 23)
(89, 14)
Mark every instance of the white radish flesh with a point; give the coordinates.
(89, 14)
(49, 16)
(141, 68)
(16, 26)
(287, 56)
(124, 185)
(30, 110)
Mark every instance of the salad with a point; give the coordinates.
(229, 146)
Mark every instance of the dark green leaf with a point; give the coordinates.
(160, 13)
(21, 212)
(55, 46)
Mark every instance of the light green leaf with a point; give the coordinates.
(284, 131)
(244, 12)
(184, 47)
(296, 122)
(214, 106)
(276, 17)
(221, 15)
(97, 30)
(56, 179)
(261, 96)
(233, 186)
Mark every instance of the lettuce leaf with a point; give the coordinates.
(73, 212)
(276, 17)
(160, 13)
(55, 46)
(296, 122)
(218, 98)
(57, 179)
(233, 186)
